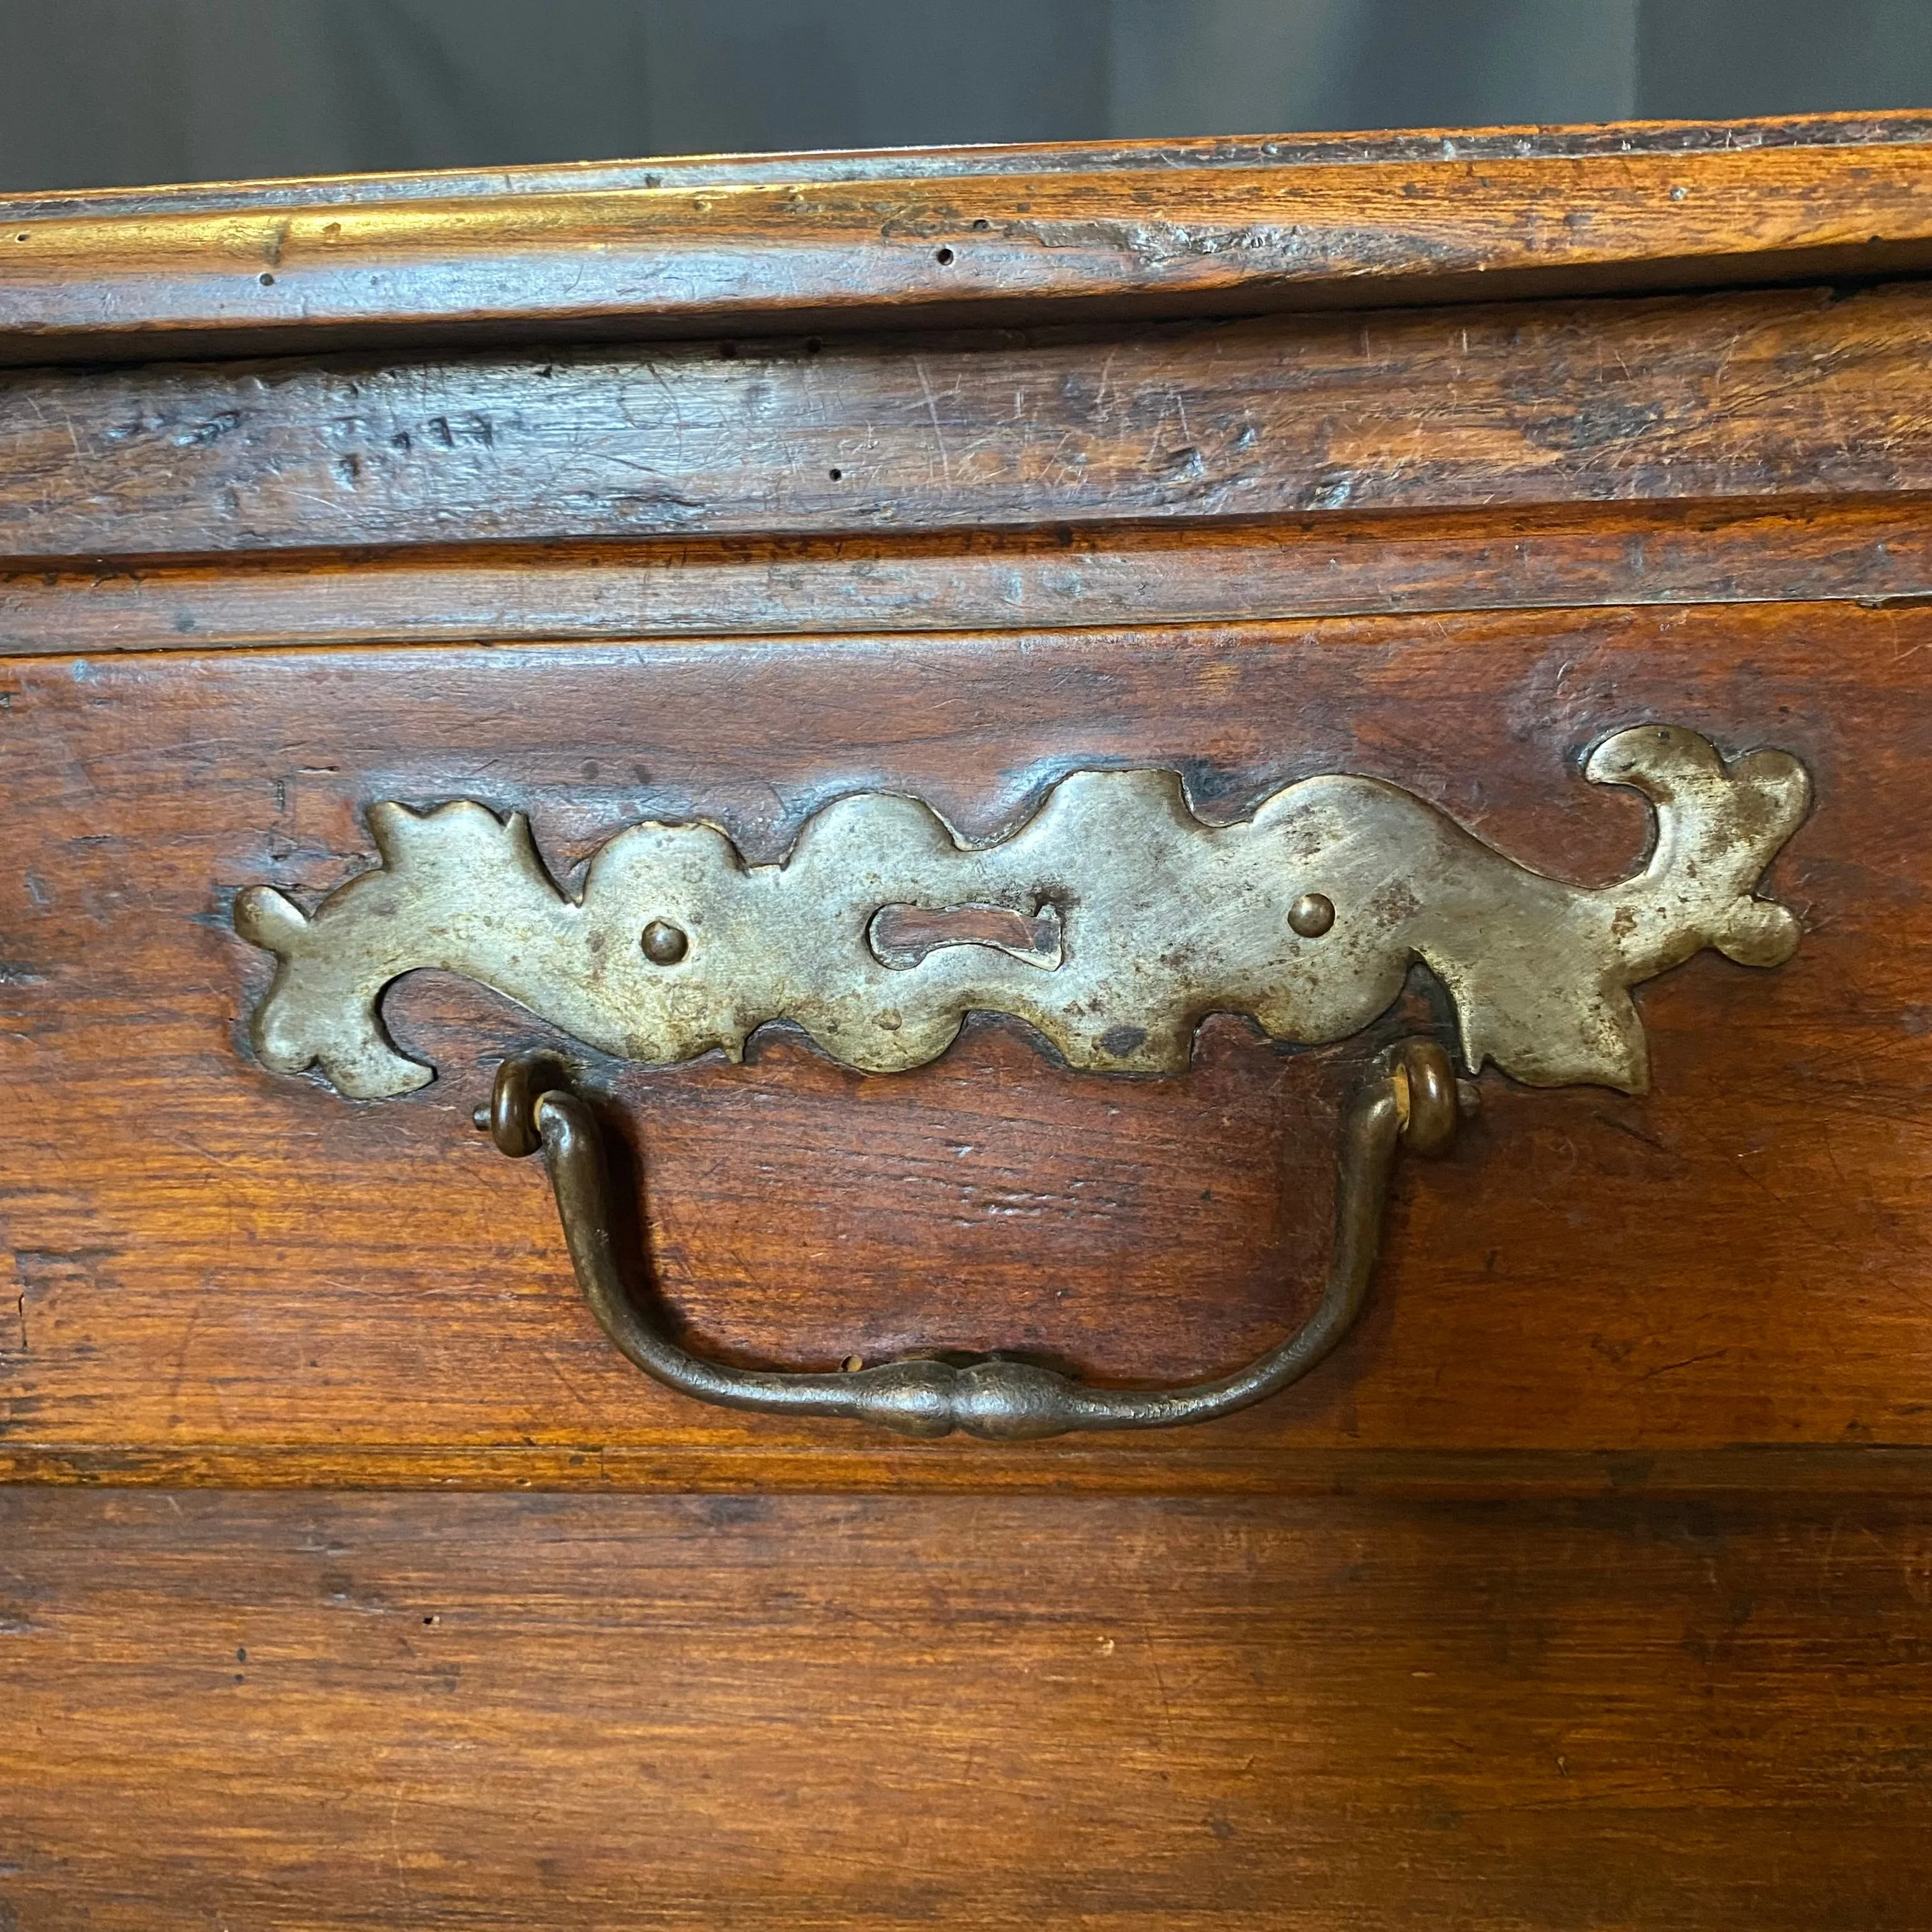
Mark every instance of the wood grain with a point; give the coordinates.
(1324, 565)
(1797, 395)
(299, 1713)
(1418, 145)
(868, 1464)
(216, 1262)
(1127, 237)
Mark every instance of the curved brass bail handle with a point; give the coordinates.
(1410, 1099)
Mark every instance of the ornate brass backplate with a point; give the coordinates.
(1114, 921)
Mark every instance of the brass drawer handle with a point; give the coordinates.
(1112, 923)
(1411, 1100)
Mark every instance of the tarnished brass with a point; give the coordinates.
(664, 944)
(520, 1083)
(1312, 915)
(1114, 921)
(1411, 1100)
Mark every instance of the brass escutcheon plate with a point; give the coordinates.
(1114, 921)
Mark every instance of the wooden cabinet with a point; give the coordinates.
(349, 1576)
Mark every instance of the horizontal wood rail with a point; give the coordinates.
(789, 244)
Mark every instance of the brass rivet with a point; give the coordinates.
(1312, 915)
(852, 1364)
(664, 944)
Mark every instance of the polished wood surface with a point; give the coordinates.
(297, 1712)
(215, 1258)
(1809, 394)
(1418, 146)
(813, 242)
(1875, 552)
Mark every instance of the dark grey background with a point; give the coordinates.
(107, 92)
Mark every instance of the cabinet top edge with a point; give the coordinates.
(1419, 146)
(749, 245)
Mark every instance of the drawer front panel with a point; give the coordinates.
(223, 1269)
(311, 1712)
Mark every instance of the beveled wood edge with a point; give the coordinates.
(1321, 565)
(856, 1467)
(1128, 236)
(1330, 148)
